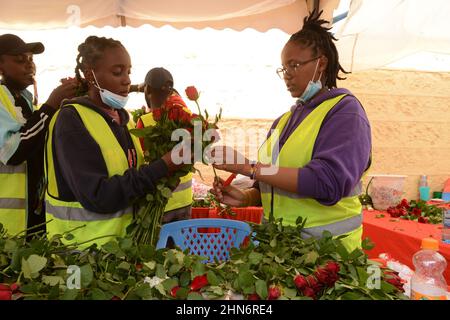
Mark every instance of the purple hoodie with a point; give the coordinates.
(341, 152)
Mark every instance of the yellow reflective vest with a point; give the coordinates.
(345, 217)
(182, 195)
(13, 184)
(66, 215)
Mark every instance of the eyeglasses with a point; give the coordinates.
(292, 67)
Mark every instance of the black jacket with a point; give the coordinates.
(81, 172)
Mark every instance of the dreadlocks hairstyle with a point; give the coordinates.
(317, 37)
(89, 52)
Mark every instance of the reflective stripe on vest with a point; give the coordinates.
(13, 183)
(182, 195)
(81, 214)
(70, 215)
(343, 217)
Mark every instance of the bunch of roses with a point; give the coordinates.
(323, 277)
(7, 291)
(415, 210)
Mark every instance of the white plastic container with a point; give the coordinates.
(386, 190)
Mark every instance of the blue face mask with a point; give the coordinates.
(312, 88)
(111, 99)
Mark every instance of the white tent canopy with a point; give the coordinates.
(261, 15)
(380, 32)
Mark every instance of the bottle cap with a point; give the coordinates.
(430, 244)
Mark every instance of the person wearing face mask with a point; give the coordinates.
(22, 135)
(95, 167)
(315, 155)
(159, 92)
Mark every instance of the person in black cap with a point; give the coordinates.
(22, 135)
(159, 92)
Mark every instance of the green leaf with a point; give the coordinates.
(261, 289)
(150, 264)
(10, 246)
(144, 291)
(160, 271)
(185, 279)
(199, 269)
(52, 280)
(98, 294)
(169, 284)
(255, 257)
(70, 294)
(311, 257)
(126, 244)
(289, 292)
(212, 278)
(87, 275)
(245, 279)
(367, 244)
(194, 296)
(273, 243)
(32, 266)
(124, 265)
(174, 269)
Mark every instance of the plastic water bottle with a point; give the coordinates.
(428, 282)
(424, 189)
(446, 227)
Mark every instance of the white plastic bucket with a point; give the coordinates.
(386, 190)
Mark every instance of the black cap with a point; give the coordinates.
(13, 45)
(157, 78)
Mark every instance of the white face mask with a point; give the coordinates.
(312, 88)
(115, 101)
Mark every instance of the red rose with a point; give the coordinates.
(300, 282)
(416, 212)
(253, 296)
(274, 293)
(404, 204)
(199, 282)
(192, 93)
(313, 283)
(5, 292)
(156, 114)
(308, 292)
(322, 275)
(174, 290)
(115, 298)
(15, 287)
(423, 220)
(174, 114)
(332, 266)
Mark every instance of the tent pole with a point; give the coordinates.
(123, 20)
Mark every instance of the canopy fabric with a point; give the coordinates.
(378, 33)
(260, 15)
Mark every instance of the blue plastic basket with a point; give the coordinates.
(214, 245)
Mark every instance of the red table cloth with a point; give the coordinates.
(401, 238)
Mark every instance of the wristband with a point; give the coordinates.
(253, 170)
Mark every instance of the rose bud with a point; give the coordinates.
(300, 282)
(192, 93)
(274, 293)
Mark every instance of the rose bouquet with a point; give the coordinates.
(173, 123)
(416, 210)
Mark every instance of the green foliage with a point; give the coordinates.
(123, 270)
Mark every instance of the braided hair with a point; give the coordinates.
(89, 52)
(317, 37)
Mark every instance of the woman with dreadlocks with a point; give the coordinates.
(94, 169)
(312, 162)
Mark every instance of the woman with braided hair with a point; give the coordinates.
(316, 153)
(94, 166)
